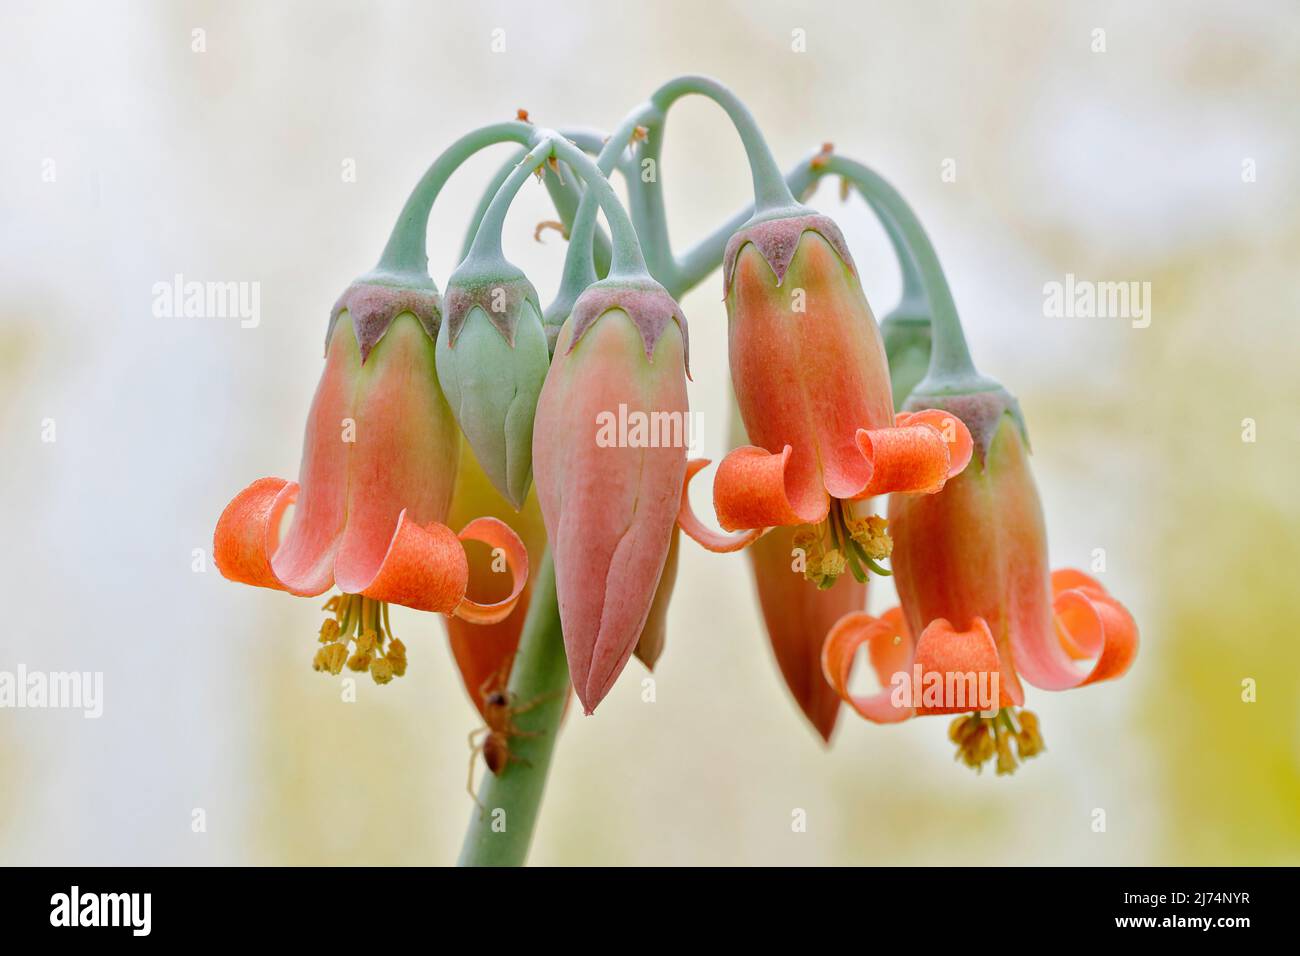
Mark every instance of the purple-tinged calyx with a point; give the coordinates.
(373, 307)
(500, 292)
(776, 241)
(646, 303)
(981, 412)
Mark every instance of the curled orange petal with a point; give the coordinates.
(425, 568)
(706, 537)
(953, 431)
(1092, 624)
(917, 456)
(248, 534)
(890, 652)
(495, 534)
(751, 491)
(967, 664)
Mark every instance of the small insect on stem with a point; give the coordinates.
(493, 738)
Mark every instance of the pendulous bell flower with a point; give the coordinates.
(977, 601)
(378, 467)
(812, 383)
(609, 457)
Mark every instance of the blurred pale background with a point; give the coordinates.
(226, 165)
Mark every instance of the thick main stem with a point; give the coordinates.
(500, 833)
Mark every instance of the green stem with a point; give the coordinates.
(580, 265)
(486, 245)
(500, 833)
(951, 369)
(565, 195)
(406, 254)
(627, 260)
(950, 349)
(771, 194)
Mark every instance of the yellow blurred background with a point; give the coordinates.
(1169, 157)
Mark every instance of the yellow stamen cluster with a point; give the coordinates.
(822, 564)
(843, 542)
(871, 534)
(981, 739)
(359, 637)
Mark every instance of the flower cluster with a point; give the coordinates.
(481, 409)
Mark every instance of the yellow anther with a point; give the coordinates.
(1006, 759)
(1029, 741)
(329, 630)
(974, 739)
(367, 642)
(396, 649)
(359, 662)
(382, 671)
(957, 730)
(823, 569)
(871, 533)
(980, 739)
(833, 562)
(398, 664)
(330, 658)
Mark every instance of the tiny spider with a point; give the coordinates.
(493, 738)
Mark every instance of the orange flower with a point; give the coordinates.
(378, 466)
(812, 384)
(974, 556)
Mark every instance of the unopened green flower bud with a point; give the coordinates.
(492, 359)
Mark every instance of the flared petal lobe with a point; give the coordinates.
(609, 495)
(1091, 626)
(889, 650)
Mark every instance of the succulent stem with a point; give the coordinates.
(500, 833)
